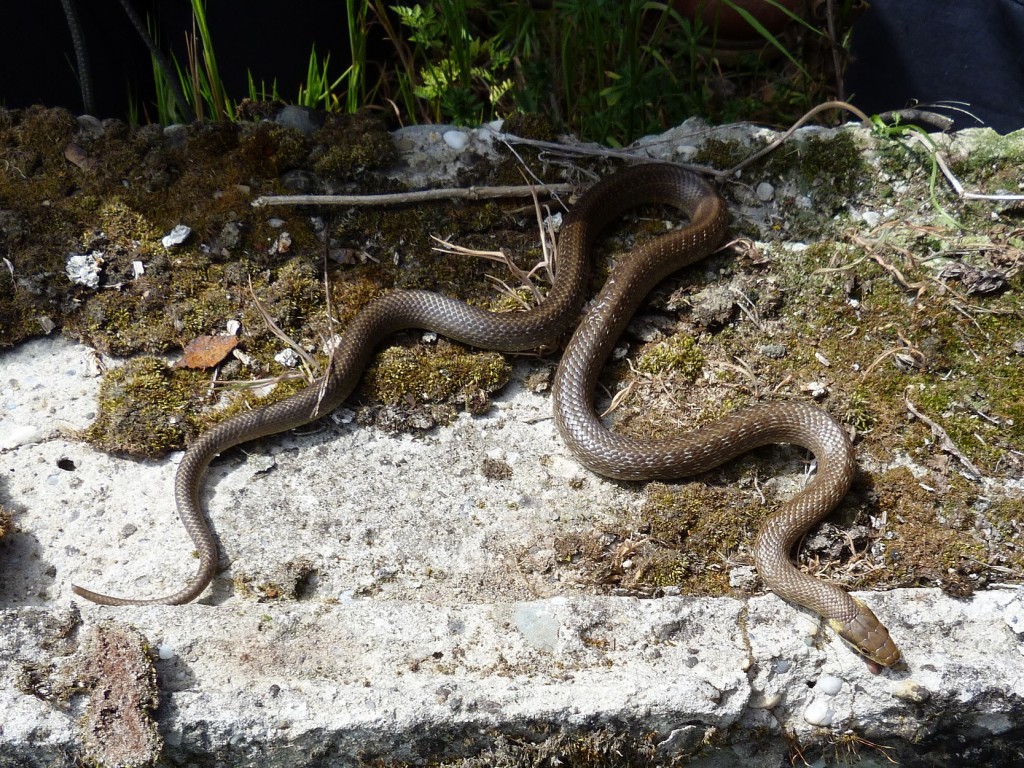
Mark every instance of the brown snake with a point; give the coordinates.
(601, 450)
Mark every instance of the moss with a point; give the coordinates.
(433, 374)
(722, 153)
(832, 167)
(1006, 517)
(295, 579)
(351, 144)
(931, 539)
(693, 529)
(147, 408)
(678, 354)
(531, 125)
(6, 521)
(270, 149)
(993, 161)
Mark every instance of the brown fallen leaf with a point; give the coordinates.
(206, 351)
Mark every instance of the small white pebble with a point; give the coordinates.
(685, 152)
(138, 268)
(871, 218)
(165, 651)
(233, 326)
(829, 684)
(819, 713)
(457, 140)
(343, 416)
(287, 357)
(84, 268)
(765, 192)
(176, 236)
(815, 389)
(766, 701)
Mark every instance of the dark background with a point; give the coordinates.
(942, 50)
(269, 37)
(904, 51)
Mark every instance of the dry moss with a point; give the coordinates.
(146, 408)
(434, 373)
(6, 521)
(931, 541)
(678, 354)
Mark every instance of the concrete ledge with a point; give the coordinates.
(312, 684)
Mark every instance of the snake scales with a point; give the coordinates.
(598, 448)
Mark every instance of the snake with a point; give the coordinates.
(614, 455)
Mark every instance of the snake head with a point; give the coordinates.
(868, 636)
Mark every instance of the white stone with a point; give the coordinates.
(176, 236)
(819, 713)
(1014, 614)
(84, 268)
(457, 140)
(830, 685)
(287, 357)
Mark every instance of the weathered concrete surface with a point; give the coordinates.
(416, 634)
(309, 684)
(428, 616)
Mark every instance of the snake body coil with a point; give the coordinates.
(598, 448)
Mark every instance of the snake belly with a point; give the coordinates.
(607, 453)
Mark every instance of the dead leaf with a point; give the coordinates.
(206, 351)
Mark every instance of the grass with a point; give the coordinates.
(609, 72)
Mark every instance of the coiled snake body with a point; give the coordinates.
(601, 450)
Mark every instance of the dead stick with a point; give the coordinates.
(419, 196)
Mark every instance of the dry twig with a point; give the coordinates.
(945, 443)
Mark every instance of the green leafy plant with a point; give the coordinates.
(608, 71)
(460, 76)
(897, 129)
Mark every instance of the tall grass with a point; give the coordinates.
(608, 71)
